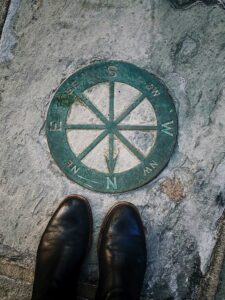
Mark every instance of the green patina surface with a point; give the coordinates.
(72, 89)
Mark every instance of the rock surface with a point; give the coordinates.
(43, 42)
(3, 12)
(187, 3)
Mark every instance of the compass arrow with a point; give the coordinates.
(110, 160)
(111, 163)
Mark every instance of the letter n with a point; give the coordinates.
(111, 183)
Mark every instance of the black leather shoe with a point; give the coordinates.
(62, 249)
(122, 254)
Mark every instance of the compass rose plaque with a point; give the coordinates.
(112, 127)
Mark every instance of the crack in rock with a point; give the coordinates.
(8, 40)
(188, 3)
(3, 13)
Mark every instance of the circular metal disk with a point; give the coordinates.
(112, 127)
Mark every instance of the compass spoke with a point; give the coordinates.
(129, 146)
(110, 160)
(137, 127)
(92, 107)
(130, 108)
(85, 126)
(111, 101)
(93, 145)
(111, 146)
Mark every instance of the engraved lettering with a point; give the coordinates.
(147, 171)
(62, 97)
(74, 84)
(55, 126)
(73, 167)
(167, 128)
(111, 183)
(112, 70)
(64, 100)
(70, 89)
(155, 92)
(151, 166)
(70, 163)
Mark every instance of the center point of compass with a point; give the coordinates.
(111, 127)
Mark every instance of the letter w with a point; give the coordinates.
(167, 128)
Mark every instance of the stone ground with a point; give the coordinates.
(42, 43)
(3, 12)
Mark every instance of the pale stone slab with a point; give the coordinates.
(50, 40)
